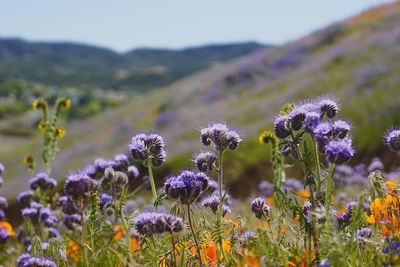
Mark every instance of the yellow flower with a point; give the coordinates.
(29, 160)
(35, 104)
(41, 126)
(304, 193)
(66, 103)
(391, 185)
(286, 108)
(60, 132)
(267, 137)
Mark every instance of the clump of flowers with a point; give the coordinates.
(392, 139)
(150, 150)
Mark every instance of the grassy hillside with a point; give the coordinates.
(69, 64)
(357, 60)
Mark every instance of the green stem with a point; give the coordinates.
(317, 163)
(194, 235)
(125, 224)
(173, 249)
(219, 213)
(83, 241)
(329, 187)
(153, 186)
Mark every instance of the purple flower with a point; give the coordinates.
(340, 129)
(148, 223)
(205, 161)
(213, 203)
(221, 136)
(3, 203)
(323, 133)
(260, 208)
(4, 235)
(23, 259)
(104, 199)
(364, 234)
(311, 121)
(25, 198)
(132, 173)
(1, 169)
(339, 152)
(376, 164)
(70, 221)
(2, 215)
(292, 184)
(187, 186)
(39, 262)
(392, 139)
(265, 188)
(121, 162)
(281, 127)
(246, 236)
(328, 107)
(67, 205)
(148, 147)
(42, 181)
(79, 188)
(53, 232)
(297, 117)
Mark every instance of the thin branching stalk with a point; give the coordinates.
(173, 249)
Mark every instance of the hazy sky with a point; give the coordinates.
(126, 24)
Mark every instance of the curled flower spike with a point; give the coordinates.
(268, 137)
(260, 208)
(328, 107)
(392, 139)
(148, 147)
(187, 186)
(221, 136)
(149, 223)
(114, 179)
(339, 152)
(65, 103)
(39, 103)
(205, 161)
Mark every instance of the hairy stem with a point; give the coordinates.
(317, 164)
(173, 249)
(153, 186)
(194, 235)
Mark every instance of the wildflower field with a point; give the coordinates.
(112, 213)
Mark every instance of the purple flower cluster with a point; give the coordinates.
(145, 147)
(213, 202)
(205, 161)
(114, 179)
(187, 186)
(42, 181)
(39, 213)
(260, 208)
(364, 234)
(316, 117)
(149, 223)
(221, 136)
(79, 188)
(392, 139)
(4, 235)
(70, 221)
(27, 260)
(25, 198)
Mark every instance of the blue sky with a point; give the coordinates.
(126, 24)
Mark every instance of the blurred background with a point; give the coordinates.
(173, 66)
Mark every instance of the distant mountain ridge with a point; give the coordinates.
(71, 64)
